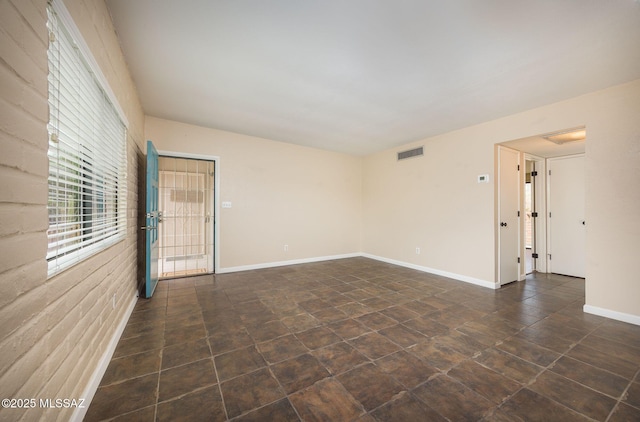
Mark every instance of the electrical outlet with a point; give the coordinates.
(286, 248)
(417, 251)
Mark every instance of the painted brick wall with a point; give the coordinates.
(54, 332)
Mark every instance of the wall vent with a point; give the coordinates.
(416, 152)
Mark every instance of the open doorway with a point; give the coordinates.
(186, 205)
(534, 247)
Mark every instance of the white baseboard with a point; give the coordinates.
(608, 313)
(284, 263)
(459, 277)
(466, 279)
(79, 414)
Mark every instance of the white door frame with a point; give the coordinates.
(216, 195)
(541, 209)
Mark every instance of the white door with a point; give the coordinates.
(567, 229)
(508, 220)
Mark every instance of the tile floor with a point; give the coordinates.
(360, 340)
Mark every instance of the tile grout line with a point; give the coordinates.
(166, 308)
(215, 367)
(623, 396)
(552, 364)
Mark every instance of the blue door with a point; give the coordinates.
(152, 221)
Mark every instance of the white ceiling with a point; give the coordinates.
(540, 147)
(359, 76)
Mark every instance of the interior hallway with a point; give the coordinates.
(357, 339)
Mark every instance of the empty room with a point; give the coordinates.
(319, 210)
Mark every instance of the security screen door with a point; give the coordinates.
(186, 192)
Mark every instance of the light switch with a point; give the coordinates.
(226, 204)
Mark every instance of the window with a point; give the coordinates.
(87, 151)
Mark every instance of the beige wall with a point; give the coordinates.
(53, 332)
(281, 194)
(613, 200)
(435, 203)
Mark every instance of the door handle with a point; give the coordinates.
(148, 227)
(503, 224)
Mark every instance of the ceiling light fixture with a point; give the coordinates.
(565, 136)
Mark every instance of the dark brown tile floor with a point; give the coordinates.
(361, 340)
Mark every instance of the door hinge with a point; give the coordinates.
(534, 173)
(534, 255)
(549, 214)
(534, 214)
(549, 172)
(518, 213)
(518, 260)
(518, 167)
(549, 257)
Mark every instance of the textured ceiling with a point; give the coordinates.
(359, 76)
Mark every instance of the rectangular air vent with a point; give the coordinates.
(416, 152)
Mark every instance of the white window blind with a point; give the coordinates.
(87, 155)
